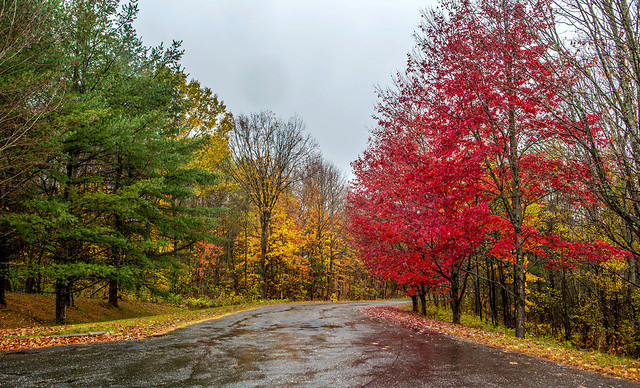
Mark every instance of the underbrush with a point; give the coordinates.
(538, 331)
(473, 321)
(472, 328)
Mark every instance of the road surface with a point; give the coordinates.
(307, 345)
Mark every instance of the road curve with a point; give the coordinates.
(308, 345)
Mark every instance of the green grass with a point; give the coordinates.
(136, 327)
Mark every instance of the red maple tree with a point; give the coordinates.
(459, 157)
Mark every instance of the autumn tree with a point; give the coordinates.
(464, 133)
(267, 153)
(490, 64)
(415, 210)
(204, 114)
(322, 194)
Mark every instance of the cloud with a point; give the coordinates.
(318, 59)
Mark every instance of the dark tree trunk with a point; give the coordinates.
(565, 297)
(265, 219)
(312, 290)
(62, 300)
(31, 285)
(423, 300)
(520, 293)
(477, 292)
(4, 270)
(493, 305)
(71, 301)
(552, 314)
(113, 292)
(330, 272)
(455, 298)
(3, 284)
(505, 299)
(246, 247)
(414, 303)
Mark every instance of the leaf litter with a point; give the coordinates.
(586, 360)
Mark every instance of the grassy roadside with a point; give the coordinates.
(33, 310)
(540, 347)
(123, 329)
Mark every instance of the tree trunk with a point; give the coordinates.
(506, 310)
(565, 301)
(32, 284)
(3, 299)
(414, 303)
(330, 273)
(113, 292)
(246, 248)
(519, 278)
(455, 298)
(4, 269)
(62, 300)
(516, 212)
(71, 301)
(493, 306)
(477, 292)
(265, 219)
(423, 301)
(632, 265)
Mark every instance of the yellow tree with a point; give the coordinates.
(202, 118)
(289, 269)
(322, 194)
(205, 115)
(266, 154)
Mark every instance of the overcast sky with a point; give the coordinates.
(320, 59)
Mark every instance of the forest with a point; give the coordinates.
(122, 177)
(501, 179)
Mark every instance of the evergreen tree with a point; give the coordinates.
(112, 203)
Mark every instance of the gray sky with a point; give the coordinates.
(319, 59)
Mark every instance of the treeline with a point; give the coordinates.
(503, 175)
(121, 176)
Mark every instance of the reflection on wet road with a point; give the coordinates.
(309, 345)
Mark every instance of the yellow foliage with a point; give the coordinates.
(205, 117)
(607, 280)
(533, 278)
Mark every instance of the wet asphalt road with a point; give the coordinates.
(308, 345)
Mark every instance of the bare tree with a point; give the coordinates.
(598, 41)
(267, 154)
(29, 69)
